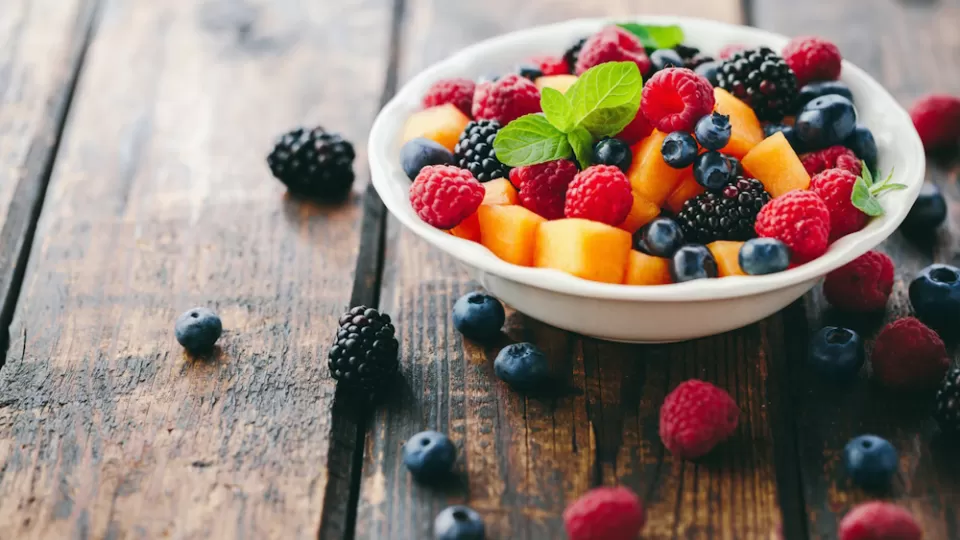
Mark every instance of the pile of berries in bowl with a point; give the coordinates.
(652, 180)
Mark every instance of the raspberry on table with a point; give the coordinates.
(813, 59)
(638, 129)
(601, 193)
(862, 285)
(835, 187)
(908, 355)
(612, 44)
(605, 513)
(801, 220)
(459, 92)
(879, 520)
(834, 157)
(543, 187)
(696, 417)
(937, 119)
(675, 99)
(551, 65)
(444, 195)
(506, 99)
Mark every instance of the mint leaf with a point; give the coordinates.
(529, 140)
(866, 174)
(610, 122)
(557, 109)
(582, 143)
(866, 192)
(607, 86)
(655, 36)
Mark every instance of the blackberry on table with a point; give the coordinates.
(573, 54)
(948, 403)
(761, 79)
(725, 215)
(313, 163)
(365, 352)
(476, 154)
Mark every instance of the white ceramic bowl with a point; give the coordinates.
(634, 313)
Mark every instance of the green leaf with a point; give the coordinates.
(866, 174)
(864, 200)
(557, 109)
(655, 36)
(607, 86)
(609, 122)
(582, 143)
(529, 140)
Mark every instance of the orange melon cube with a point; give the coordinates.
(746, 131)
(641, 213)
(651, 177)
(499, 191)
(643, 269)
(560, 83)
(442, 124)
(586, 249)
(727, 255)
(468, 229)
(688, 189)
(510, 232)
(774, 163)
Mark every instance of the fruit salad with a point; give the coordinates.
(634, 158)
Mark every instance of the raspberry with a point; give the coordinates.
(543, 187)
(862, 285)
(813, 59)
(879, 521)
(835, 186)
(696, 417)
(612, 44)
(937, 119)
(638, 129)
(551, 65)
(729, 50)
(444, 195)
(456, 91)
(601, 193)
(799, 219)
(908, 355)
(835, 157)
(674, 99)
(605, 513)
(506, 99)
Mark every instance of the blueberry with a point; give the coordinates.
(613, 152)
(429, 455)
(421, 152)
(458, 523)
(928, 211)
(523, 366)
(935, 295)
(814, 90)
(662, 237)
(691, 262)
(836, 353)
(529, 72)
(870, 461)
(679, 149)
(713, 131)
(478, 316)
(788, 132)
(826, 121)
(665, 58)
(863, 144)
(760, 256)
(709, 71)
(736, 167)
(712, 170)
(198, 329)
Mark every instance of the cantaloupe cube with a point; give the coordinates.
(774, 163)
(727, 254)
(688, 189)
(641, 213)
(442, 124)
(499, 191)
(643, 269)
(510, 232)
(584, 248)
(746, 130)
(469, 229)
(560, 83)
(649, 175)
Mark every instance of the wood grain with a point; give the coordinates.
(160, 200)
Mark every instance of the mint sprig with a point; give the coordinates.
(654, 36)
(529, 140)
(866, 192)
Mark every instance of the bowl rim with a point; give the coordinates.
(393, 115)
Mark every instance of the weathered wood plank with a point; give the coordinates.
(885, 41)
(161, 200)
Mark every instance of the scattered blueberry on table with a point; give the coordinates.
(871, 462)
(478, 316)
(198, 329)
(935, 296)
(523, 366)
(836, 354)
(928, 212)
(429, 455)
(458, 523)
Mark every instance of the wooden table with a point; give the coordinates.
(133, 186)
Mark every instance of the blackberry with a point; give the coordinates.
(313, 163)
(692, 57)
(573, 54)
(725, 215)
(763, 80)
(948, 403)
(475, 151)
(364, 353)
(686, 52)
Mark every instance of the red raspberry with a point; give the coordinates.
(813, 59)
(638, 129)
(835, 157)
(444, 195)
(729, 50)
(835, 186)
(506, 99)
(908, 355)
(605, 513)
(551, 65)
(612, 44)
(862, 285)
(937, 119)
(879, 520)
(674, 99)
(543, 187)
(456, 91)
(696, 417)
(601, 193)
(799, 219)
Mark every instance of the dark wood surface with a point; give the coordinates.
(159, 200)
